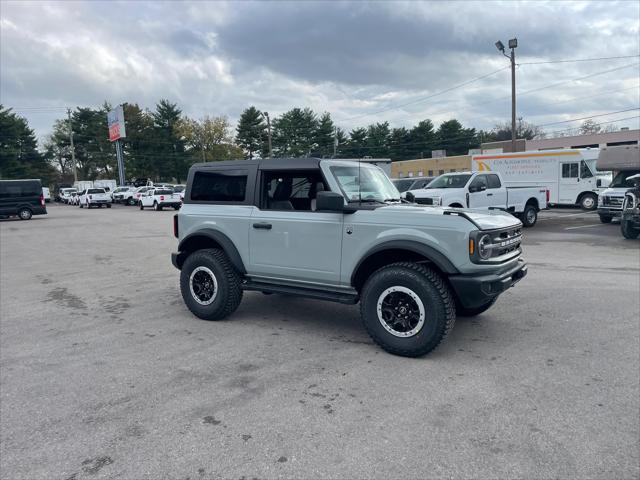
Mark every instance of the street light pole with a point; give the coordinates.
(513, 43)
(266, 116)
(73, 150)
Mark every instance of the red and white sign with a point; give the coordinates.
(115, 121)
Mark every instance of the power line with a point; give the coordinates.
(586, 118)
(579, 60)
(599, 123)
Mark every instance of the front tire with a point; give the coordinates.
(131, 202)
(529, 216)
(472, 312)
(108, 205)
(605, 218)
(628, 231)
(25, 214)
(589, 201)
(407, 309)
(209, 284)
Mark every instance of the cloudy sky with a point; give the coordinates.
(363, 62)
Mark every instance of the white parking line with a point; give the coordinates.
(584, 226)
(566, 216)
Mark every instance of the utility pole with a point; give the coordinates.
(513, 44)
(73, 151)
(266, 116)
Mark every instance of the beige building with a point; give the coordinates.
(430, 167)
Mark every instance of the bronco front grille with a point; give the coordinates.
(505, 241)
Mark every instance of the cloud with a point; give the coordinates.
(353, 59)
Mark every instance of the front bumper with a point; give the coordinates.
(473, 291)
(610, 212)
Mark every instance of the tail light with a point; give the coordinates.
(162, 198)
(175, 225)
(42, 199)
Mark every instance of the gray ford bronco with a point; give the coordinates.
(338, 230)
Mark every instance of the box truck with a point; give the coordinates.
(568, 174)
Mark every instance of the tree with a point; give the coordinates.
(399, 144)
(455, 139)
(209, 139)
(524, 129)
(170, 157)
(293, 133)
(378, 135)
(357, 144)
(341, 142)
(325, 136)
(422, 138)
(251, 132)
(19, 156)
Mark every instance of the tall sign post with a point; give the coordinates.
(115, 121)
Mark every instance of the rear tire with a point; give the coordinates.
(472, 312)
(81, 206)
(589, 201)
(209, 284)
(407, 309)
(157, 207)
(25, 214)
(530, 216)
(141, 206)
(605, 218)
(108, 205)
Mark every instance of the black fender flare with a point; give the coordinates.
(218, 237)
(430, 253)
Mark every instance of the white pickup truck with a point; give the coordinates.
(483, 191)
(94, 197)
(159, 198)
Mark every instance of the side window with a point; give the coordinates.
(479, 181)
(585, 171)
(493, 181)
(569, 170)
(290, 190)
(220, 186)
(430, 173)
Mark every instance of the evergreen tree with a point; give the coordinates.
(251, 133)
(455, 139)
(325, 137)
(170, 160)
(378, 136)
(19, 156)
(357, 145)
(399, 147)
(422, 139)
(293, 133)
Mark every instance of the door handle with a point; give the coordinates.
(263, 226)
(489, 194)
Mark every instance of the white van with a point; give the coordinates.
(568, 174)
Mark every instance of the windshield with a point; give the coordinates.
(364, 182)
(96, 190)
(164, 192)
(178, 188)
(621, 180)
(403, 184)
(449, 181)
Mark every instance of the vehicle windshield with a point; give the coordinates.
(164, 192)
(449, 181)
(403, 184)
(366, 183)
(621, 180)
(96, 190)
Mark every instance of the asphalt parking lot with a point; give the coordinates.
(105, 374)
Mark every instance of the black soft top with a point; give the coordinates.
(265, 164)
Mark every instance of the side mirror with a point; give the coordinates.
(598, 183)
(329, 202)
(410, 197)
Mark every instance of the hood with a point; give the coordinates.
(484, 219)
(615, 191)
(430, 192)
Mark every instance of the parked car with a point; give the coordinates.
(74, 198)
(65, 194)
(47, 194)
(483, 191)
(94, 197)
(158, 198)
(179, 189)
(137, 195)
(122, 194)
(336, 230)
(22, 198)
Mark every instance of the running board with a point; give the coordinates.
(349, 296)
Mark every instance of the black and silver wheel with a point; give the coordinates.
(25, 214)
(209, 284)
(472, 312)
(407, 309)
(589, 201)
(529, 216)
(157, 207)
(131, 202)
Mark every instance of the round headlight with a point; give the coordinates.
(484, 247)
